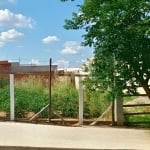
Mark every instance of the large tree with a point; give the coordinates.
(119, 32)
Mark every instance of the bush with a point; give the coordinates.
(29, 101)
(5, 99)
(65, 99)
(96, 100)
(4, 82)
(29, 96)
(95, 104)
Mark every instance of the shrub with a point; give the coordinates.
(96, 100)
(4, 82)
(95, 104)
(29, 101)
(29, 96)
(65, 99)
(4, 99)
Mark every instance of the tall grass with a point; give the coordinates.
(95, 104)
(4, 99)
(30, 83)
(4, 82)
(65, 98)
(31, 95)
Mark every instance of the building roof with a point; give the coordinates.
(16, 67)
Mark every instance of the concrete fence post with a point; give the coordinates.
(12, 103)
(119, 118)
(80, 101)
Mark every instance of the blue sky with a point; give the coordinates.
(31, 31)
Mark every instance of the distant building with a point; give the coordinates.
(20, 70)
(5, 68)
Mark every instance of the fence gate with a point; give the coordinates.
(136, 112)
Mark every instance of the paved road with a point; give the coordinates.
(55, 137)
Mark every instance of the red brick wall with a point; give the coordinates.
(5, 68)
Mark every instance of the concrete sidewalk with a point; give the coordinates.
(19, 136)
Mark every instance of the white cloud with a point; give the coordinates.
(71, 47)
(50, 39)
(9, 19)
(9, 36)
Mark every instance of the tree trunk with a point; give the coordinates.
(113, 114)
(147, 90)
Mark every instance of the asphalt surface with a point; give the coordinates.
(21, 136)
